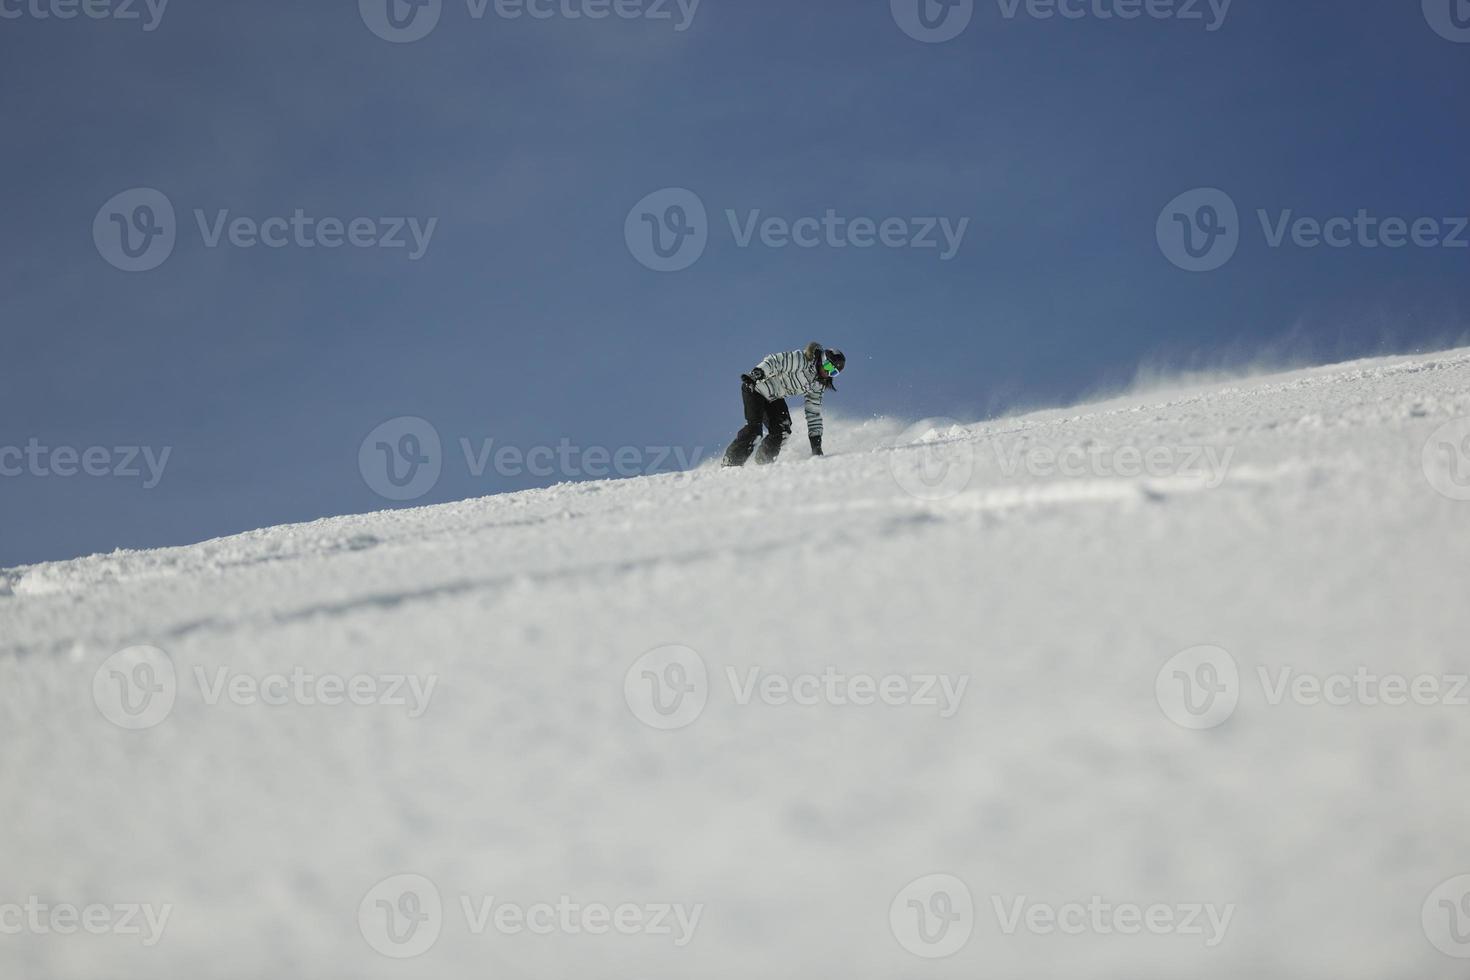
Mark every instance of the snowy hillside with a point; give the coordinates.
(1168, 686)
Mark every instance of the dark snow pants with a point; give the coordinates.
(759, 411)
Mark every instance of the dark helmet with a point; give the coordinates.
(837, 359)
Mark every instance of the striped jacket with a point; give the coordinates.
(794, 373)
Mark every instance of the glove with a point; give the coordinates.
(816, 442)
(747, 382)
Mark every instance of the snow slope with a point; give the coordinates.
(1315, 541)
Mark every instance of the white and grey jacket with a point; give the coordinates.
(789, 374)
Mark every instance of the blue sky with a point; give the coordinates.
(527, 141)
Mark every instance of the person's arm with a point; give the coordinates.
(814, 421)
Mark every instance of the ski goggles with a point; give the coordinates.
(831, 369)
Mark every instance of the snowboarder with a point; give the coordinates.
(765, 389)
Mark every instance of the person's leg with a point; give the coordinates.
(755, 414)
(778, 427)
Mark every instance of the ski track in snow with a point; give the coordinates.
(1321, 546)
